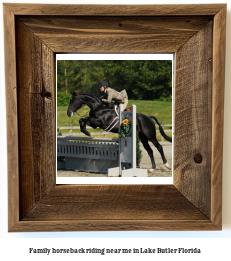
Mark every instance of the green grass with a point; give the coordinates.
(160, 109)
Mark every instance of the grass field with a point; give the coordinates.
(160, 109)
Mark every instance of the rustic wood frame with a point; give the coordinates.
(33, 34)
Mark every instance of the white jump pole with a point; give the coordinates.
(127, 149)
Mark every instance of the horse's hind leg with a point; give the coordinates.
(147, 147)
(160, 149)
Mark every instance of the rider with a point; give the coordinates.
(111, 94)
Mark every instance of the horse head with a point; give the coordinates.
(74, 105)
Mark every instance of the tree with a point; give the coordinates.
(146, 79)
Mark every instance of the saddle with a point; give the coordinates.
(116, 119)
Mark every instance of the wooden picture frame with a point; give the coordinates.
(34, 33)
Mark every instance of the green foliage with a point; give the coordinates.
(63, 99)
(147, 80)
(123, 132)
(124, 128)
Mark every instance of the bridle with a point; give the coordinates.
(81, 108)
(78, 97)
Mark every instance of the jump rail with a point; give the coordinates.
(72, 132)
(87, 154)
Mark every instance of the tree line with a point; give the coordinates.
(143, 80)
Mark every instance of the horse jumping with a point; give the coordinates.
(103, 116)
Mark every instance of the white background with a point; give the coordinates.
(212, 244)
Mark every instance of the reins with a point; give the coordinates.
(78, 96)
(81, 108)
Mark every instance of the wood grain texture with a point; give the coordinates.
(36, 105)
(218, 114)
(99, 203)
(194, 201)
(193, 128)
(113, 225)
(115, 34)
(92, 208)
(12, 117)
(115, 10)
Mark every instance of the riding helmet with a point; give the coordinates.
(103, 83)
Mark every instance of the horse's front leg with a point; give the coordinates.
(82, 124)
(90, 121)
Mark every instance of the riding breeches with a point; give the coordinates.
(124, 104)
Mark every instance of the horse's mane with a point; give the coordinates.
(95, 96)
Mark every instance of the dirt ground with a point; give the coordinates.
(160, 171)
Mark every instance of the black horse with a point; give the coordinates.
(103, 116)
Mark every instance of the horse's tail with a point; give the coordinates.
(161, 130)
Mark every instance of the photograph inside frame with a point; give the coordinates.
(114, 118)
